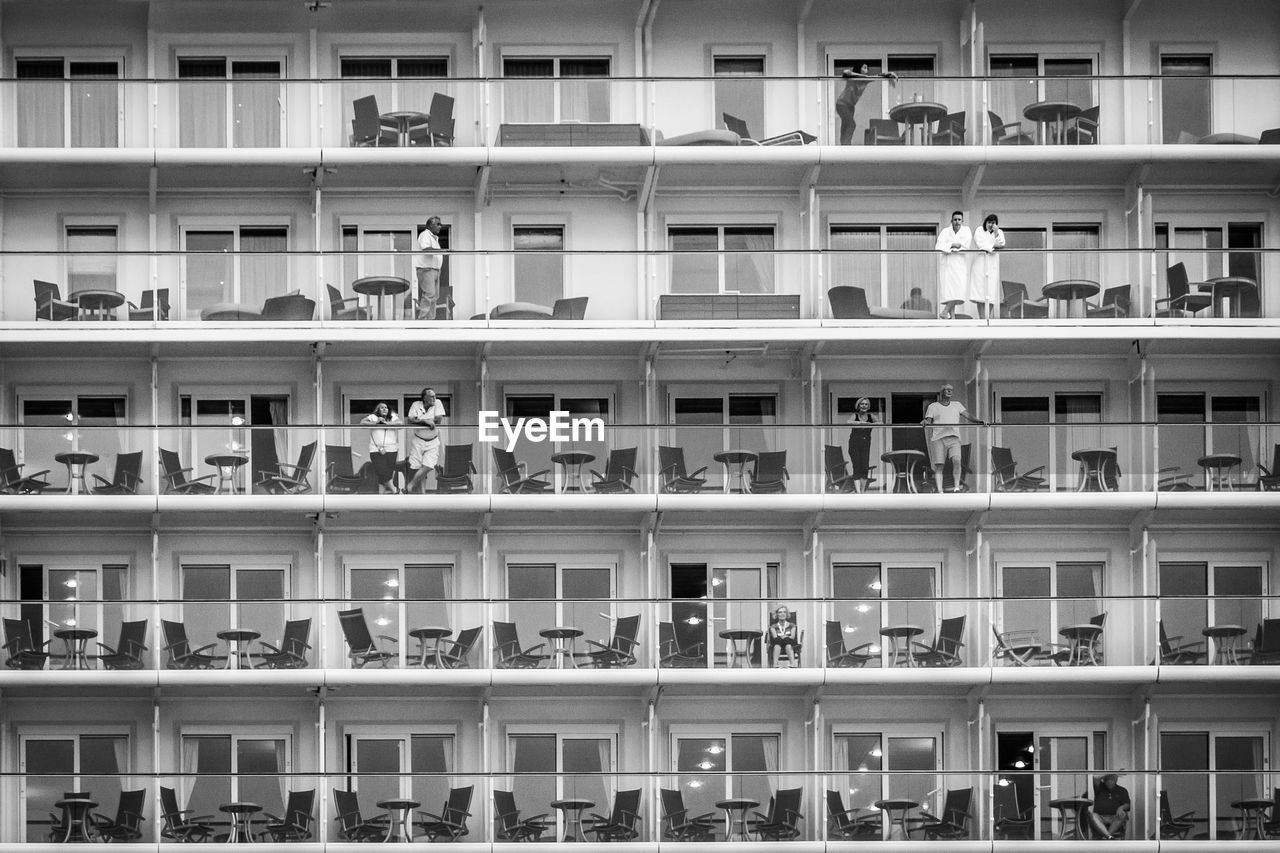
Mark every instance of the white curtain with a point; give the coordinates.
(859, 270)
(604, 748)
(257, 104)
(203, 120)
(262, 275)
(94, 107)
(840, 780)
(280, 770)
(910, 267)
(280, 417)
(1079, 264)
(762, 262)
(769, 745)
(529, 100)
(190, 766)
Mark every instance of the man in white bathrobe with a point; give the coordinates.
(953, 279)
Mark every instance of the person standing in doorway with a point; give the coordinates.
(426, 268)
(426, 415)
(943, 417)
(856, 82)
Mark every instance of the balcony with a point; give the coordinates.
(239, 463)
(256, 114)
(747, 284)
(938, 808)
(1020, 636)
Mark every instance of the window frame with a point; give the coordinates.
(235, 226)
(1161, 50)
(28, 733)
(238, 732)
(889, 561)
(230, 56)
(602, 561)
(769, 566)
(846, 53)
(1036, 560)
(726, 731)
(1212, 731)
(1088, 730)
(723, 253)
(886, 733)
(73, 55)
(352, 733)
(373, 560)
(1061, 477)
(556, 53)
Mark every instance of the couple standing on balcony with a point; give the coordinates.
(958, 281)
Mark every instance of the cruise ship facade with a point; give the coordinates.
(441, 423)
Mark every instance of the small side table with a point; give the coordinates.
(98, 304)
(900, 643)
(75, 640)
(562, 637)
(571, 463)
(1218, 469)
(237, 640)
(377, 288)
(241, 821)
(76, 462)
(1252, 813)
(1073, 293)
(1224, 643)
(432, 635)
(740, 641)
(904, 464)
(399, 828)
(75, 817)
(902, 807)
(1081, 640)
(1070, 809)
(228, 465)
(572, 810)
(735, 468)
(735, 818)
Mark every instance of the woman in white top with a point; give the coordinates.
(384, 445)
(984, 278)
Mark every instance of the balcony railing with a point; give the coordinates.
(748, 284)
(84, 456)
(703, 802)
(609, 111)
(79, 631)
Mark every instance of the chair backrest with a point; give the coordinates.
(1098, 620)
(8, 466)
(440, 115)
(833, 462)
(18, 633)
(1117, 296)
(299, 806)
(666, 638)
(175, 638)
(366, 118)
(621, 465)
(128, 470)
(786, 805)
(955, 809)
(338, 457)
(335, 297)
(671, 460)
(624, 634)
(672, 803)
(1002, 464)
(133, 638)
(458, 805)
(507, 468)
(1269, 642)
(626, 808)
(883, 128)
(1005, 803)
(466, 642)
(952, 123)
(169, 805)
(835, 639)
(1179, 284)
(505, 812)
(348, 806)
(46, 290)
(306, 456)
(736, 125)
(506, 639)
(457, 459)
(1013, 290)
(296, 633)
(848, 302)
(129, 811)
(995, 122)
(171, 466)
(950, 633)
(355, 630)
(1165, 648)
(770, 466)
(569, 309)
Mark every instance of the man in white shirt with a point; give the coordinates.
(426, 267)
(943, 415)
(953, 277)
(426, 415)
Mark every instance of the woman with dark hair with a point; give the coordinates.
(856, 82)
(384, 445)
(860, 442)
(984, 277)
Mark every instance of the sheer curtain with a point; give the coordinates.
(39, 113)
(202, 97)
(94, 105)
(529, 100)
(258, 105)
(853, 260)
(1079, 263)
(607, 782)
(770, 747)
(582, 98)
(281, 767)
(909, 267)
(840, 779)
(263, 267)
(280, 417)
(190, 766)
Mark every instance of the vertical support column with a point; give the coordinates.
(651, 760)
(154, 466)
(483, 403)
(322, 744)
(648, 416)
(487, 784)
(320, 608)
(317, 390)
(479, 44)
(317, 91)
(156, 810)
(814, 784)
(317, 211)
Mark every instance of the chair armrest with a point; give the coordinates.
(204, 649)
(388, 639)
(534, 649)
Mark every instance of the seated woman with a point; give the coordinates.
(1110, 812)
(783, 634)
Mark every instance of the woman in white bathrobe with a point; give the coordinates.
(984, 279)
(953, 278)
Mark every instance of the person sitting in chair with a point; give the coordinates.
(783, 634)
(1110, 812)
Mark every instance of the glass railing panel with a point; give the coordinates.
(1227, 455)
(1237, 628)
(898, 459)
(1077, 456)
(564, 452)
(402, 112)
(82, 622)
(1032, 629)
(389, 456)
(883, 628)
(569, 633)
(59, 451)
(400, 619)
(751, 454)
(242, 452)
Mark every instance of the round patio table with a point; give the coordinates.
(75, 818)
(520, 311)
(1081, 639)
(1052, 118)
(227, 464)
(735, 468)
(562, 637)
(918, 114)
(76, 461)
(1252, 814)
(900, 643)
(1218, 468)
(1093, 465)
(433, 635)
(377, 288)
(902, 807)
(405, 121)
(399, 828)
(241, 821)
(572, 810)
(1224, 642)
(740, 640)
(1073, 292)
(1070, 809)
(735, 817)
(98, 304)
(1228, 293)
(571, 463)
(905, 463)
(236, 638)
(74, 641)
